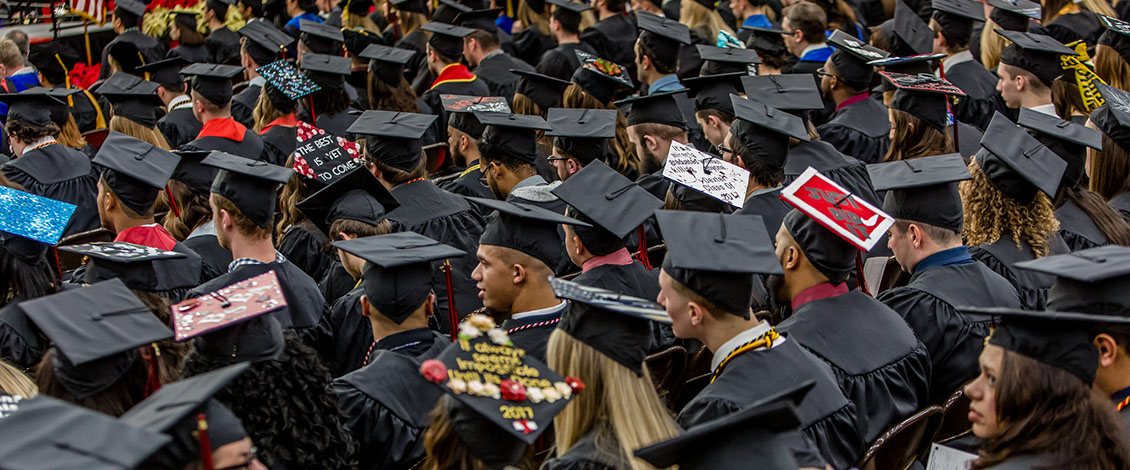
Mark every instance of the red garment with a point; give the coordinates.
(454, 73)
(152, 235)
(290, 120)
(853, 100)
(619, 257)
(819, 291)
(227, 128)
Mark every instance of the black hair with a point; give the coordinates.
(597, 240)
(129, 20)
(761, 171)
(491, 152)
(219, 8)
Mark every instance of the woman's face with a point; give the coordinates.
(891, 119)
(1091, 153)
(982, 393)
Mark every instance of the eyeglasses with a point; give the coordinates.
(555, 159)
(245, 465)
(724, 149)
(821, 72)
(789, 33)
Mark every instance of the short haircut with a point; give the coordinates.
(358, 229)
(723, 116)
(941, 236)
(20, 38)
(693, 296)
(810, 19)
(10, 55)
(218, 7)
(1038, 86)
(501, 154)
(762, 172)
(393, 175)
(661, 131)
(129, 212)
(243, 224)
(664, 61)
(308, 6)
(129, 20)
(615, 5)
(486, 39)
(210, 107)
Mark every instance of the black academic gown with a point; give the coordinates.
(634, 280)
(22, 344)
(84, 107)
(308, 248)
(859, 130)
(532, 334)
(388, 406)
(448, 219)
(655, 184)
(417, 65)
(278, 143)
(343, 337)
(829, 422)
(598, 449)
(953, 339)
(431, 99)
(1032, 286)
(769, 206)
(63, 174)
(243, 104)
(214, 257)
(191, 54)
(1077, 229)
(495, 72)
(540, 195)
(886, 376)
(358, 81)
(174, 278)
(179, 127)
(844, 170)
(530, 44)
(1075, 26)
(223, 46)
(613, 39)
(150, 47)
(305, 305)
(1121, 204)
(251, 146)
(336, 283)
(469, 183)
(561, 61)
(982, 99)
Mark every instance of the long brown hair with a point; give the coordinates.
(533, 19)
(384, 97)
(133, 129)
(1048, 411)
(1109, 222)
(1067, 100)
(1110, 169)
(194, 210)
(914, 138)
(990, 214)
(69, 134)
(294, 191)
(444, 450)
(576, 97)
(1052, 8)
(265, 111)
(1112, 67)
(524, 105)
(115, 400)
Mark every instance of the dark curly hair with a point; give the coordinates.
(287, 407)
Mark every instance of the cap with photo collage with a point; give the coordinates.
(249, 184)
(600, 78)
(725, 60)
(393, 136)
(398, 270)
(250, 332)
(1067, 139)
(716, 255)
(752, 121)
(357, 195)
(479, 19)
(568, 12)
(661, 37)
(582, 133)
(265, 43)
(447, 39)
(447, 10)
(923, 96)
(656, 108)
(1037, 54)
(1016, 163)
(32, 106)
(388, 62)
(713, 91)
(795, 93)
(358, 38)
(412, 6)
(134, 170)
(912, 35)
(320, 38)
(461, 112)
(511, 133)
(132, 98)
(287, 83)
(55, 62)
(212, 81)
(923, 190)
(166, 72)
(165, 273)
(851, 59)
(96, 331)
(611, 204)
(31, 223)
(1112, 118)
(956, 17)
(174, 411)
(328, 71)
(543, 90)
(1015, 15)
(526, 228)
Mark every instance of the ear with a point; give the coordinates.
(580, 246)
(520, 273)
(365, 306)
(713, 121)
(109, 202)
(650, 142)
(572, 166)
(915, 233)
(430, 306)
(792, 258)
(697, 313)
(1108, 349)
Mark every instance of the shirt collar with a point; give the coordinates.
(541, 312)
(490, 54)
(744, 337)
(813, 47)
(405, 339)
(665, 83)
(959, 58)
(531, 181)
(619, 257)
(1121, 395)
(1048, 109)
(819, 291)
(179, 102)
(258, 81)
(239, 262)
(203, 230)
(948, 257)
(853, 100)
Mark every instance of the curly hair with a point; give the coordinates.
(287, 408)
(29, 133)
(576, 97)
(990, 214)
(444, 450)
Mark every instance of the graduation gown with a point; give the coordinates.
(203, 241)
(613, 39)
(387, 406)
(342, 338)
(768, 204)
(336, 283)
(529, 45)
(828, 419)
(637, 281)
(1075, 26)
(532, 333)
(227, 135)
(415, 41)
(448, 219)
(953, 339)
(655, 184)
(150, 47)
(358, 81)
(887, 376)
(85, 109)
(243, 104)
(1023, 462)
(1077, 229)
(223, 46)
(561, 61)
(278, 143)
(22, 344)
(61, 173)
(469, 183)
(179, 126)
(308, 248)
(305, 305)
(1032, 286)
(455, 79)
(598, 449)
(858, 130)
(810, 62)
(494, 70)
(191, 54)
(1121, 204)
(844, 170)
(982, 99)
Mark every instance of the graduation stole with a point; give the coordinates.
(765, 340)
(1085, 78)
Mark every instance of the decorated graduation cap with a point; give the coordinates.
(613, 205)
(55, 62)
(139, 267)
(660, 36)
(923, 189)
(922, 96)
(320, 38)
(128, 56)
(479, 19)
(186, 412)
(212, 81)
(543, 90)
(136, 171)
(1016, 163)
(515, 134)
(1037, 54)
(600, 78)
(447, 39)
(568, 12)
(328, 71)
(795, 93)
(237, 322)
(912, 65)
(1014, 15)
(265, 42)
(249, 184)
(526, 228)
(713, 91)
(616, 325)
(132, 98)
(851, 59)
(582, 133)
(50, 433)
(461, 111)
(356, 196)
(656, 108)
(285, 83)
(96, 331)
(393, 137)
(32, 106)
(724, 60)
(387, 62)
(166, 72)
(322, 158)
(1067, 139)
(1112, 118)
(956, 18)
(1116, 36)
(910, 35)
(716, 256)
(398, 270)
(31, 223)
(755, 119)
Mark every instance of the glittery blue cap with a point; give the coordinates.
(34, 217)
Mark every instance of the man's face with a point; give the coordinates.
(571, 245)
(676, 305)
(453, 138)
(647, 147)
(900, 244)
(728, 143)
(217, 222)
(826, 80)
(1009, 85)
(639, 61)
(492, 182)
(494, 277)
(939, 40)
(793, 39)
(714, 133)
(561, 164)
(353, 265)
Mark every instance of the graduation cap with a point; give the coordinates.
(412, 6)
(128, 55)
(526, 228)
(174, 410)
(320, 38)
(212, 81)
(139, 267)
(1016, 163)
(132, 98)
(447, 39)
(599, 77)
(754, 119)
(394, 136)
(285, 83)
(136, 171)
(614, 206)
(912, 65)
(1112, 118)
(166, 72)
(461, 111)
(55, 62)
(568, 12)
(1014, 15)
(447, 10)
(1116, 36)
(50, 433)
(657, 108)
(135, 7)
(543, 90)
(829, 253)
(922, 96)
(265, 43)
(192, 173)
(32, 106)
(479, 19)
(34, 217)
(324, 158)
(851, 59)
(910, 32)
(1067, 139)
(713, 91)
(796, 93)
(357, 195)
(923, 189)
(514, 133)
(328, 71)
(95, 331)
(387, 62)
(956, 17)
(716, 255)
(235, 333)
(616, 325)
(725, 60)
(1037, 54)
(358, 38)
(398, 270)
(582, 133)
(660, 36)
(766, 41)
(250, 184)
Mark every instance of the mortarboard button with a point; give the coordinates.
(608, 199)
(923, 189)
(1017, 163)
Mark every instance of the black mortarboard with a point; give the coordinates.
(543, 90)
(1112, 118)
(447, 39)
(54, 62)
(60, 110)
(132, 98)
(582, 133)
(32, 106)
(956, 17)
(357, 39)
(754, 118)
(725, 60)
(1116, 36)
(266, 43)
(50, 433)
(796, 93)
(190, 172)
(613, 204)
(766, 41)
(691, 199)
(394, 137)
(515, 132)
(285, 83)
(1091, 281)
(95, 331)
(713, 91)
(913, 33)
(135, 170)
(250, 184)
(568, 12)
(356, 196)
(173, 410)
(1067, 139)
(479, 19)
(212, 81)
(716, 255)
(922, 96)
(398, 270)
(1014, 15)
(447, 10)
(1016, 163)
(829, 253)
(923, 189)
(136, 7)
(139, 267)
(616, 325)
(599, 77)
(526, 228)
(234, 337)
(662, 28)
(1035, 53)
(387, 62)
(912, 65)
(328, 71)
(461, 111)
(851, 59)
(657, 108)
(320, 38)
(166, 72)
(128, 55)
(414, 6)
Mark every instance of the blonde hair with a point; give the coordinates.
(613, 393)
(702, 19)
(15, 382)
(588, 19)
(991, 45)
(131, 128)
(1112, 67)
(533, 19)
(359, 21)
(410, 21)
(69, 134)
(265, 111)
(990, 214)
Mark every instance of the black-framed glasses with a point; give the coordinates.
(245, 465)
(823, 73)
(724, 149)
(555, 159)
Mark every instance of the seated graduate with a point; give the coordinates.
(509, 154)
(443, 52)
(561, 60)
(953, 23)
(923, 198)
(386, 402)
(713, 110)
(211, 104)
(1029, 67)
(918, 118)
(52, 71)
(486, 55)
(134, 108)
(759, 141)
(28, 273)
(707, 286)
(595, 85)
(846, 81)
(275, 105)
(189, 191)
(580, 137)
(260, 45)
(653, 123)
(464, 133)
(222, 43)
(387, 89)
(328, 108)
(179, 125)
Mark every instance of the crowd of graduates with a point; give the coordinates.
(480, 235)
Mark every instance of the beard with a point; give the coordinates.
(778, 303)
(650, 162)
